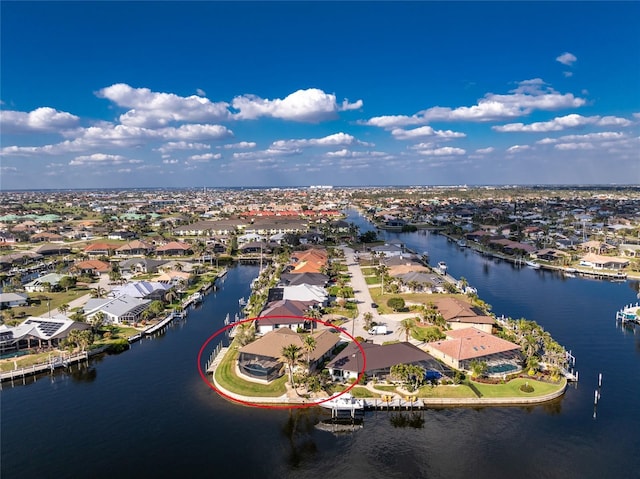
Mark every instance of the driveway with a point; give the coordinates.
(363, 299)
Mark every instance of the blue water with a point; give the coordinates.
(147, 413)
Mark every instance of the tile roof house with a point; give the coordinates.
(283, 314)
(261, 359)
(44, 331)
(379, 359)
(174, 248)
(460, 315)
(153, 290)
(91, 266)
(123, 309)
(464, 345)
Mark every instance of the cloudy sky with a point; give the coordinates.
(145, 94)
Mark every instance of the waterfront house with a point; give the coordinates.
(314, 279)
(261, 360)
(283, 314)
(348, 364)
(596, 261)
(465, 345)
(38, 332)
(388, 250)
(123, 309)
(460, 315)
(153, 290)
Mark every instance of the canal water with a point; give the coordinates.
(146, 412)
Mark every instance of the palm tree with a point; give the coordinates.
(368, 318)
(407, 325)
(291, 355)
(477, 367)
(97, 321)
(309, 344)
(98, 292)
(313, 314)
(63, 308)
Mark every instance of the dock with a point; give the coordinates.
(216, 358)
(50, 365)
(629, 314)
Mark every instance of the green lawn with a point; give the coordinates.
(460, 391)
(389, 389)
(512, 388)
(372, 279)
(227, 378)
(368, 271)
(362, 392)
(57, 299)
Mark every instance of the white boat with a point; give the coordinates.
(442, 266)
(343, 402)
(242, 302)
(532, 264)
(196, 297)
(462, 243)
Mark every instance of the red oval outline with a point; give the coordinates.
(204, 377)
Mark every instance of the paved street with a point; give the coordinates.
(364, 300)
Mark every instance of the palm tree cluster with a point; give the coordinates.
(411, 375)
(538, 347)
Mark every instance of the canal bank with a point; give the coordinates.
(130, 406)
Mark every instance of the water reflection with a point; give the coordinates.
(298, 429)
(413, 420)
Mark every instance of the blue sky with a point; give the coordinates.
(121, 94)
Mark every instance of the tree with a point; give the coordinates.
(63, 308)
(98, 292)
(368, 320)
(313, 314)
(478, 368)
(407, 325)
(156, 307)
(396, 303)
(67, 282)
(309, 345)
(291, 355)
(97, 321)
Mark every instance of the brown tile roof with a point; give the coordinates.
(100, 247)
(174, 245)
(271, 344)
(94, 264)
(285, 308)
(378, 356)
(472, 343)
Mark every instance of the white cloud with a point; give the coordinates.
(170, 162)
(530, 95)
(481, 151)
(518, 148)
(153, 109)
(567, 74)
(574, 146)
(560, 123)
(567, 59)
(240, 145)
(200, 92)
(311, 105)
(182, 145)
(444, 151)
(264, 154)
(589, 137)
(38, 120)
(101, 159)
(205, 157)
(336, 139)
(424, 131)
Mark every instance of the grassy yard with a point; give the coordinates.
(459, 391)
(57, 299)
(350, 310)
(512, 388)
(362, 392)
(368, 271)
(227, 378)
(388, 389)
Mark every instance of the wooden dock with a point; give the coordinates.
(48, 366)
(216, 358)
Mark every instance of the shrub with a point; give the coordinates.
(526, 388)
(395, 303)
